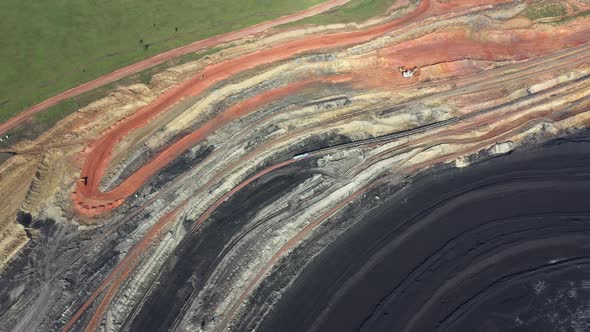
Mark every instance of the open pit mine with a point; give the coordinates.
(424, 170)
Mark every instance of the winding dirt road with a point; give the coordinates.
(90, 201)
(448, 47)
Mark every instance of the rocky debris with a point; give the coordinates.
(502, 148)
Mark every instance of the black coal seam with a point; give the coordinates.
(163, 322)
(441, 203)
(534, 150)
(227, 249)
(423, 266)
(549, 267)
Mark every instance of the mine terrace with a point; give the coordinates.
(227, 190)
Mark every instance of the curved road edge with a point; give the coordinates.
(163, 57)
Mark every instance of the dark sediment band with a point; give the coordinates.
(502, 244)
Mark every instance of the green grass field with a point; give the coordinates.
(50, 46)
(29, 84)
(46, 119)
(544, 9)
(354, 11)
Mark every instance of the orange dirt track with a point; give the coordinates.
(163, 57)
(453, 46)
(492, 45)
(141, 176)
